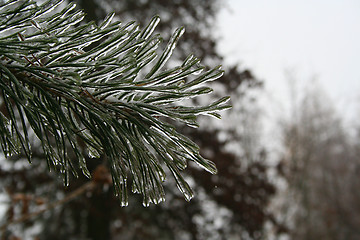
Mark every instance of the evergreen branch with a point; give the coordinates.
(76, 84)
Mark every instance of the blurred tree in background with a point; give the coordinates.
(229, 205)
(320, 164)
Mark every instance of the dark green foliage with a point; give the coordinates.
(240, 188)
(103, 87)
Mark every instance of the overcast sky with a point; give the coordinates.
(312, 38)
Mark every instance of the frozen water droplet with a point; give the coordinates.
(146, 203)
(188, 196)
(197, 72)
(124, 203)
(93, 153)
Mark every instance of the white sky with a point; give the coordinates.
(312, 37)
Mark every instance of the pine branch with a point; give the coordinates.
(103, 86)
